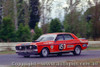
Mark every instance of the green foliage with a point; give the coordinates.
(8, 9)
(23, 33)
(34, 13)
(71, 22)
(66, 26)
(45, 28)
(20, 11)
(74, 23)
(7, 31)
(38, 32)
(55, 26)
(89, 33)
(93, 13)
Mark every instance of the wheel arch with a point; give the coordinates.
(46, 48)
(79, 46)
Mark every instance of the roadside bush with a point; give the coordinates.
(23, 33)
(7, 31)
(38, 32)
(55, 26)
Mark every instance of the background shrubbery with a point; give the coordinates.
(17, 21)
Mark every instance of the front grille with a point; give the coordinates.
(20, 47)
(29, 47)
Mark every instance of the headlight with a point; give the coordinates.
(30, 47)
(20, 47)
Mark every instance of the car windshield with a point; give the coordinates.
(47, 37)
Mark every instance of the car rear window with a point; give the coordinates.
(68, 37)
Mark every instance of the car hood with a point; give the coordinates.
(36, 43)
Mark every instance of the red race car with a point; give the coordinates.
(53, 43)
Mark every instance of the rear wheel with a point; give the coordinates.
(77, 50)
(44, 52)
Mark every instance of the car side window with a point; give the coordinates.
(68, 37)
(59, 38)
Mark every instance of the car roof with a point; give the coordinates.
(58, 33)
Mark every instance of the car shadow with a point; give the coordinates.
(55, 56)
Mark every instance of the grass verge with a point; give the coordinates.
(7, 52)
(93, 48)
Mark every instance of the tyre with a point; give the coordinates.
(77, 50)
(26, 56)
(44, 52)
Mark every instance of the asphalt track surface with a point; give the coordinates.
(12, 59)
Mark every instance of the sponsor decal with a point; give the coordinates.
(52, 47)
(70, 46)
(45, 43)
(48, 42)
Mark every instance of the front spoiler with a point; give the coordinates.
(27, 53)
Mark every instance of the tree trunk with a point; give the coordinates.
(15, 15)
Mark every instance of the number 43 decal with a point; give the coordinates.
(62, 46)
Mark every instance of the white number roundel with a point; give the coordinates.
(61, 47)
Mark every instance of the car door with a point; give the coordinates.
(59, 41)
(69, 42)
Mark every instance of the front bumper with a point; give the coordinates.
(27, 53)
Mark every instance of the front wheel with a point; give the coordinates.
(77, 50)
(44, 52)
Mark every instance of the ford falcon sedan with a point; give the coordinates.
(55, 43)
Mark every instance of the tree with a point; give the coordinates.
(23, 12)
(1, 11)
(75, 23)
(23, 33)
(55, 26)
(20, 11)
(34, 13)
(94, 11)
(15, 14)
(45, 13)
(38, 32)
(9, 9)
(7, 32)
(72, 20)
(72, 5)
(27, 13)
